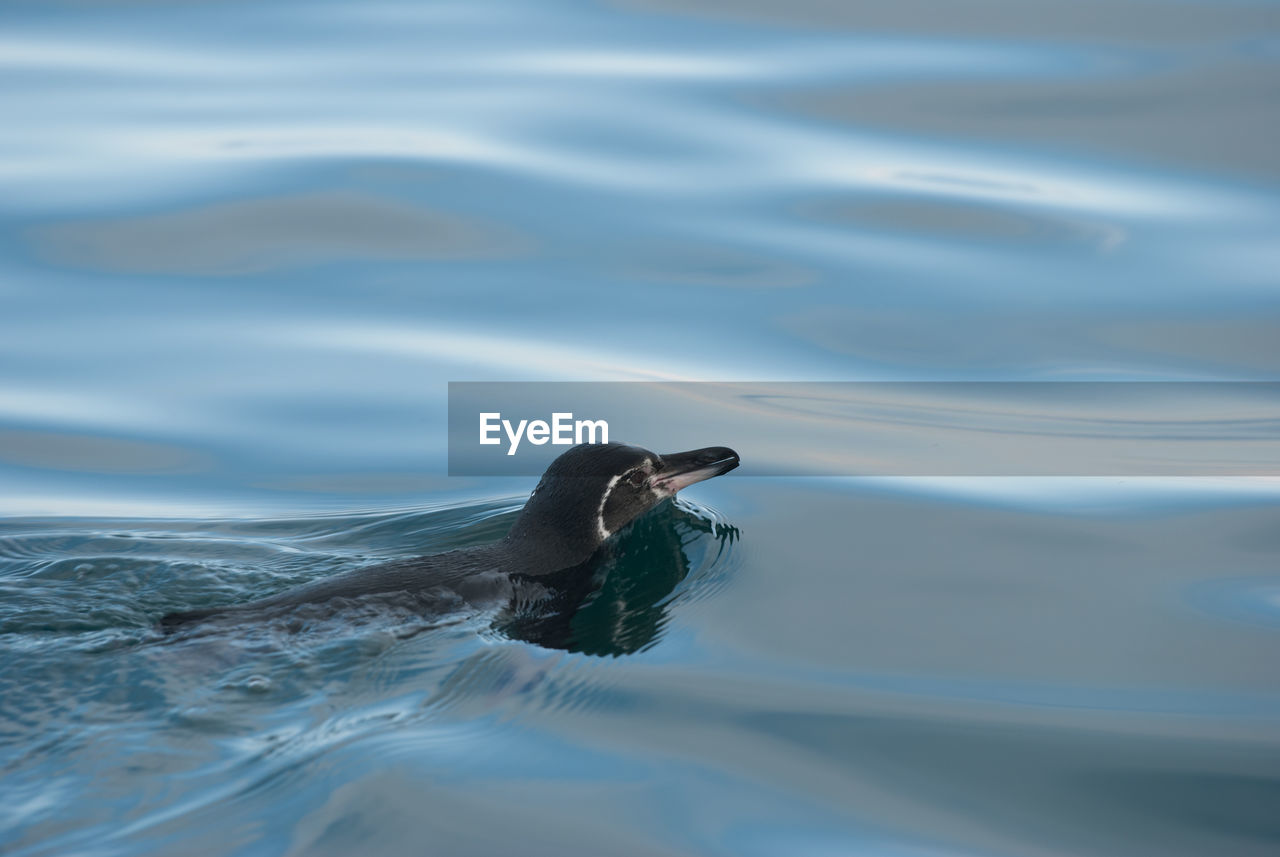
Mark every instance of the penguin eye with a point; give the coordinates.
(636, 478)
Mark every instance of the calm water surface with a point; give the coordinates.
(244, 247)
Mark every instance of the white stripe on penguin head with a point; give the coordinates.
(608, 492)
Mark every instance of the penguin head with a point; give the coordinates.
(594, 490)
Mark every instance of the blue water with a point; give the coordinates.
(245, 246)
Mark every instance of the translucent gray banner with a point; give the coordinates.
(882, 428)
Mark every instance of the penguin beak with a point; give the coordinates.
(682, 469)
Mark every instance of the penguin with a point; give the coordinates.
(585, 496)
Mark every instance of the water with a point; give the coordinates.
(245, 247)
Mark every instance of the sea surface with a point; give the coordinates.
(244, 248)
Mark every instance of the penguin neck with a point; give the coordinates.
(543, 547)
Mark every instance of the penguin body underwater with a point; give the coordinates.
(586, 495)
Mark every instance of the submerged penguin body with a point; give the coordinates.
(586, 495)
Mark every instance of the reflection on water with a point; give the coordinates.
(259, 235)
(244, 246)
(215, 243)
(618, 604)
